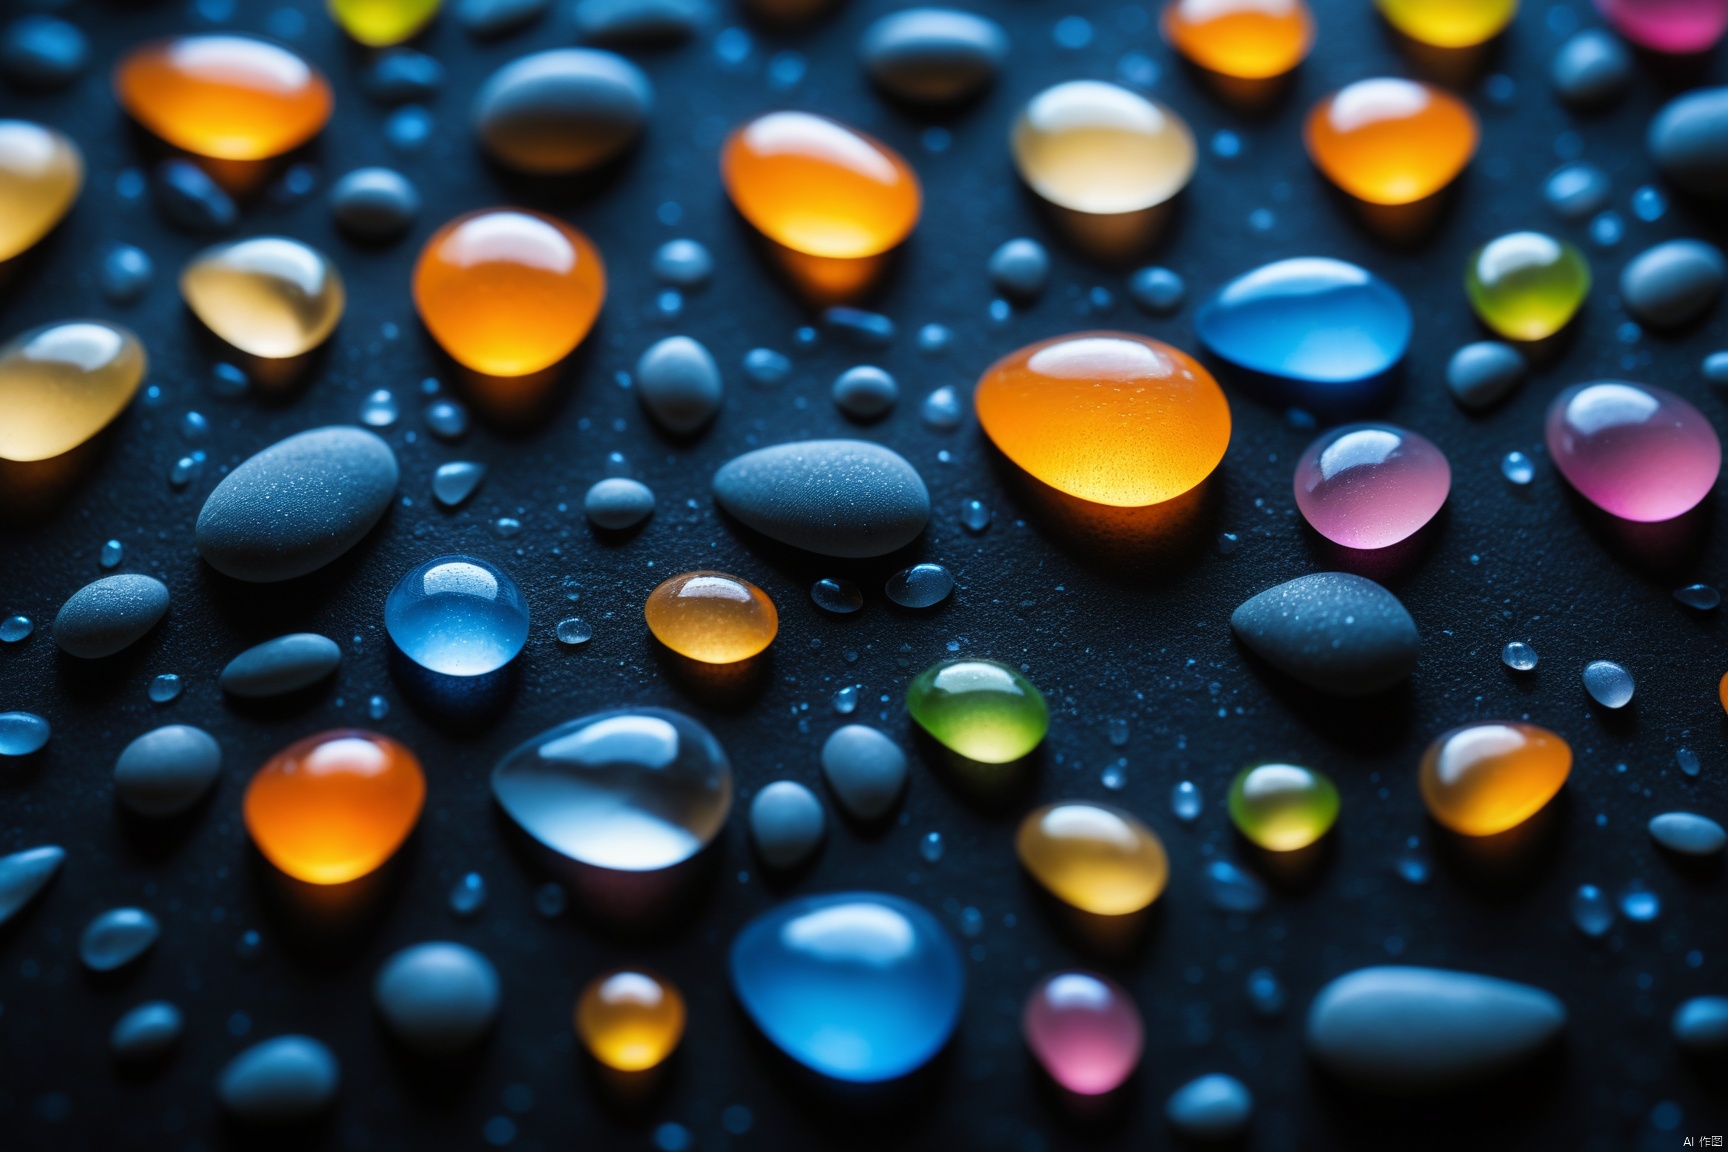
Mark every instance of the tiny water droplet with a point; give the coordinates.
(165, 687)
(1518, 656)
(185, 470)
(228, 382)
(549, 900)
(506, 527)
(377, 707)
(468, 895)
(1114, 777)
(931, 847)
(1688, 761)
(574, 630)
(971, 922)
(920, 586)
(1185, 801)
(379, 409)
(974, 517)
(447, 419)
(838, 596)
(1517, 468)
(1265, 994)
(1592, 911)
(766, 366)
(1639, 903)
(112, 553)
(1233, 890)
(1116, 729)
(250, 945)
(16, 628)
(1699, 597)
(942, 410)
(846, 700)
(1414, 867)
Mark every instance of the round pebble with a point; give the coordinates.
(1591, 69)
(845, 498)
(865, 769)
(1688, 139)
(1688, 834)
(190, 199)
(1672, 283)
(786, 823)
(1333, 631)
(279, 1081)
(1020, 268)
(42, 51)
(638, 21)
(617, 503)
(1608, 683)
(1482, 374)
(933, 55)
(920, 586)
(285, 664)
(109, 615)
(865, 392)
(437, 998)
(167, 770)
(679, 384)
(116, 938)
(125, 274)
(1214, 1108)
(1157, 290)
(146, 1033)
(374, 202)
(685, 263)
(492, 18)
(1700, 1025)
(24, 874)
(563, 111)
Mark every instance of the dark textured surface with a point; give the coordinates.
(1109, 628)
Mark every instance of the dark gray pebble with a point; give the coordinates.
(1591, 69)
(285, 664)
(1672, 283)
(374, 202)
(1482, 374)
(1020, 268)
(109, 615)
(1688, 140)
(618, 502)
(865, 392)
(563, 111)
(437, 998)
(1157, 290)
(1333, 631)
(933, 55)
(846, 498)
(865, 769)
(678, 383)
(786, 823)
(165, 771)
(279, 1081)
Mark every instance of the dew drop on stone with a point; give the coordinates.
(458, 616)
(846, 700)
(574, 630)
(1688, 761)
(1185, 801)
(920, 586)
(1699, 597)
(1518, 656)
(16, 628)
(942, 410)
(1592, 911)
(974, 516)
(1233, 890)
(468, 895)
(22, 733)
(377, 707)
(1265, 994)
(112, 553)
(1517, 468)
(1639, 903)
(166, 687)
(549, 900)
(1608, 683)
(931, 847)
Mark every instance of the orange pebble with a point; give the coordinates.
(507, 291)
(712, 617)
(630, 1020)
(1247, 39)
(1722, 691)
(335, 806)
(1486, 778)
(1391, 141)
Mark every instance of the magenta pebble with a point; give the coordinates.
(1084, 1030)
(1679, 27)
(1634, 450)
(1371, 485)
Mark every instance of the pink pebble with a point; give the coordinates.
(1678, 27)
(1633, 450)
(1084, 1030)
(1371, 485)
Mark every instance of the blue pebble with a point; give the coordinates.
(457, 616)
(1311, 319)
(401, 75)
(22, 733)
(125, 274)
(146, 1033)
(1157, 290)
(766, 366)
(409, 127)
(869, 329)
(40, 51)
(191, 200)
(116, 938)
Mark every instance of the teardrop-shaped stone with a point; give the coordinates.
(110, 614)
(41, 171)
(1311, 319)
(165, 771)
(285, 664)
(846, 498)
(224, 95)
(63, 383)
(437, 998)
(1333, 631)
(1094, 857)
(279, 1081)
(563, 111)
(24, 874)
(268, 295)
(1391, 141)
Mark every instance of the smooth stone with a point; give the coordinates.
(865, 392)
(1672, 283)
(437, 998)
(1157, 290)
(1716, 368)
(786, 823)
(1591, 69)
(374, 202)
(403, 74)
(191, 200)
(1700, 1025)
(845, 498)
(686, 263)
(1404, 1030)
(165, 771)
(24, 874)
(489, 18)
(23, 733)
(109, 615)
(638, 21)
(285, 664)
(858, 327)
(1482, 374)
(1636, 451)
(1688, 833)
(279, 1081)
(41, 51)
(1211, 1108)
(1333, 631)
(454, 482)
(146, 1033)
(679, 383)
(617, 503)
(865, 768)
(1577, 191)
(1688, 140)
(116, 938)
(563, 111)
(1020, 268)
(125, 274)
(933, 55)
(1311, 319)
(297, 505)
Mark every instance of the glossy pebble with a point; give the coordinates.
(25, 873)
(1634, 450)
(638, 22)
(22, 733)
(1526, 285)
(1700, 1025)
(335, 806)
(1449, 23)
(1371, 485)
(1608, 683)
(1591, 69)
(1688, 833)
(933, 55)
(1085, 1031)
(167, 770)
(270, 296)
(42, 51)
(1333, 631)
(1094, 857)
(116, 938)
(454, 482)
(618, 503)
(819, 187)
(1680, 27)
(1688, 140)
(861, 987)
(146, 1033)
(1673, 283)
(1100, 149)
(109, 615)
(508, 292)
(1391, 141)
(1486, 778)
(223, 95)
(1244, 39)
(285, 664)
(374, 202)
(60, 384)
(297, 505)
(982, 710)
(1212, 1108)
(283, 1080)
(865, 392)
(564, 111)
(41, 173)
(678, 383)
(380, 23)
(1156, 290)
(686, 263)
(865, 769)
(126, 274)
(1411, 1030)
(1283, 807)
(438, 998)
(457, 616)
(1577, 191)
(786, 823)
(712, 617)
(630, 1020)
(845, 498)
(632, 791)
(1020, 268)
(1110, 417)
(1311, 319)
(1480, 375)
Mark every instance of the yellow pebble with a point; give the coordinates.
(41, 171)
(270, 296)
(630, 1020)
(62, 383)
(1098, 148)
(380, 23)
(1098, 858)
(1487, 778)
(712, 617)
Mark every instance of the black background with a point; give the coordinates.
(1108, 625)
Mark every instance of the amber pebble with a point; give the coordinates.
(41, 171)
(62, 383)
(270, 296)
(507, 292)
(630, 1020)
(1098, 148)
(712, 617)
(1390, 141)
(1097, 858)
(1246, 39)
(1485, 778)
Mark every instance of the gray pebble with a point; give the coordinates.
(1020, 268)
(1577, 190)
(1402, 1030)
(24, 874)
(943, 410)
(166, 770)
(865, 769)
(865, 392)
(786, 823)
(686, 263)
(110, 614)
(1210, 1108)
(1333, 631)
(1716, 368)
(617, 503)
(563, 111)
(1672, 283)
(437, 998)
(189, 199)
(679, 383)
(285, 664)
(297, 505)
(1700, 1025)
(845, 498)
(116, 938)
(1688, 140)
(374, 202)
(489, 18)
(279, 1081)
(1591, 69)
(1482, 374)
(125, 274)
(146, 1033)
(1157, 290)
(933, 55)
(41, 51)
(1688, 833)
(638, 21)
(454, 482)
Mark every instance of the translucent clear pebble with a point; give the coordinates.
(380, 23)
(862, 987)
(146, 1033)
(712, 617)
(458, 616)
(1591, 910)
(22, 733)
(1681, 27)
(838, 596)
(1371, 485)
(1100, 149)
(1687, 760)
(1085, 1031)
(1527, 285)
(63, 383)
(437, 998)
(284, 1080)
(23, 874)
(630, 1020)
(16, 628)
(574, 631)
(1485, 778)
(982, 710)
(1518, 656)
(41, 171)
(1185, 801)
(1449, 23)
(632, 791)
(1698, 597)
(1094, 857)
(1638, 903)
(1634, 450)
(167, 770)
(1311, 319)
(1391, 141)
(116, 938)
(454, 482)
(920, 586)
(1608, 683)
(226, 96)
(1283, 807)
(786, 823)
(1245, 39)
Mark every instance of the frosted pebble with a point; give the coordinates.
(845, 498)
(437, 998)
(146, 1033)
(374, 202)
(109, 615)
(1333, 631)
(865, 392)
(1020, 268)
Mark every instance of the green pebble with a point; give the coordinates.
(1282, 807)
(1527, 285)
(983, 710)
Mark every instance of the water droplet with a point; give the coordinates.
(112, 553)
(447, 419)
(1517, 468)
(1518, 656)
(1608, 683)
(1607, 229)
(16, 628)
(1576, 190)
(116, 938)
(166, 687)
(846, 699)
(942, 410)
(931, 847)
(920, 586)
(573, 630)
(974, 516)
(1699, 597)
(1592, 911)
(468, 895)
(1265, 994)
(1648, 204)
(1233, 890)
(377, 707)
(1688, 761)
(125, 274)
(1639, 903)
(458, 616)
(506, 527)
(1185, 801)
(185, 470)
(1413, 865)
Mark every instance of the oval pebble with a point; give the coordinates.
(297, 505)
(933, 55)
(1672, 283)
(1398, 1029)
(490, 18)
(398, 75)
(563, 111)
(1577, 190)
(116, 938)
(279, 1081)
(109, 615)
(1157, 290)
(165, 771)
(1591, 69)
(786, 823)
(617, 503)
(638, 21)
(1688, 140)
(679, 384)
(844, 498)
(374, 202)
(189, 199)
(1211, 1108)
(686, 263)
(146, 1033)
(285, 664)
(1688, 833)
(865, 769)
(1020, 268)
(1700, 1025)
(437, 998)
(1333, 631)
(23, 874)
(23, 733)
(865, 392)
(1608, 683)
(41, 51)
(1482, 374)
